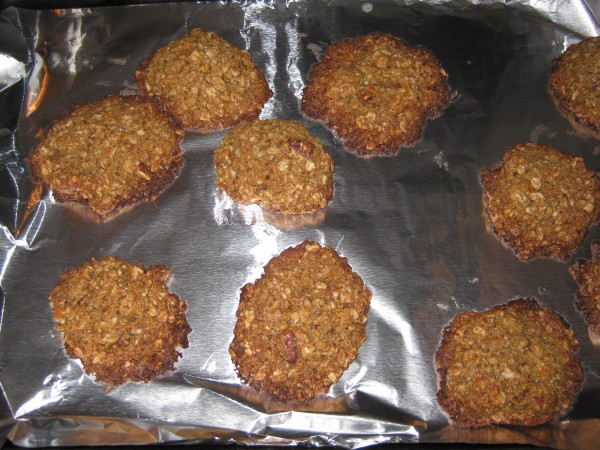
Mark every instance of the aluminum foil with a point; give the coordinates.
(411, 225)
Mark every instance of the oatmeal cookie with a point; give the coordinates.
(301, 324)
(109, 154)
(587, 276)
(541, 201)
(574, 85)
(276, 164)
(206, 83)
(120, 320)
(376, 93)
(514, 364)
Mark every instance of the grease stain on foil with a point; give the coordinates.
(117, 61)
(540, 130)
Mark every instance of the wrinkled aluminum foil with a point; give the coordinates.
(410, 225)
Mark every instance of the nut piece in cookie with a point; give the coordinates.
(541, 201)
(587, 276)
(115, 152)
(301, 324)
(514, 364)
(276, 164)
(206, 83)
(376, 93)
(120, 320)
(574, 85)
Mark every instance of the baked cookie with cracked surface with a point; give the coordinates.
(112, 153)
(574, 85)
(206, 83)
(587, 276)
(120, 319)
(514, 364)
(301, 324)
(376, 93)
(541, 201)
(276, 164)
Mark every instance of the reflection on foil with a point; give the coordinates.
(9, 254)
(32, 206)
(245, 395)
(395, 321)
(29, 227)
(45, 397)
(381, 391)
(210, 365)
(266, 227)
(255, 26)
(351, 383)
(11, 71)
(223, 208)
(252, 215)
(74, 36)
(266, 235)
(296, 81)
(38, 83)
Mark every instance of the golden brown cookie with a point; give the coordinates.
(206, 83)
(514, 364)
(276, 164)
(120, 320)
(574, 85)
(587, 276)
(376, 93)
(115, 152)
(541, 201)
(301, 324)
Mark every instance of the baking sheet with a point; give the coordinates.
(410, 225)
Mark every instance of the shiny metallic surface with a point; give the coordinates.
(411, 225)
